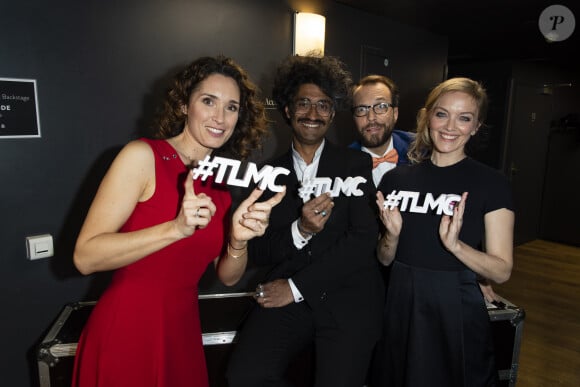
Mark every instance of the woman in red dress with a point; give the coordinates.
(159, 229)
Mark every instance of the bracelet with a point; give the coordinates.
(241, 248)
(302, 231)
(230, 248)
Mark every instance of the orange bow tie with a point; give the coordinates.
(391, 157)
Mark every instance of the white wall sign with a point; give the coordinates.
(18, 108)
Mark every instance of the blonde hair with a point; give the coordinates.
(421, 148)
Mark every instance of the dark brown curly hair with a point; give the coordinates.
(252, 125)
(328, 73)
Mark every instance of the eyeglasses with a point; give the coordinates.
(378, 108)
(323, 107)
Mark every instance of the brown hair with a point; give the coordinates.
(251, 126)
(373, 79)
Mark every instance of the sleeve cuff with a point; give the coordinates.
(299, 240)
(295, 292)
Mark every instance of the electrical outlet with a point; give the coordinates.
(39, 246)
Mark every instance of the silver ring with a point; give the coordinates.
(197, 213)
(261, 293)
(323, 213)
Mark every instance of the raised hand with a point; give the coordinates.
(251, 218)
(196, 209)
(316, 212)
(392, 219)
(450, 226)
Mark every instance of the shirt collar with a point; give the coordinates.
(297, 158)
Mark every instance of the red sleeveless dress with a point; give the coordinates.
(145, 329)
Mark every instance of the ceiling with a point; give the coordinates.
(486, 30)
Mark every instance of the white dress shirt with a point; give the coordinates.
(303, 172)
(382, 168)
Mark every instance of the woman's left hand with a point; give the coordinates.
(251, 217)
(450, 226)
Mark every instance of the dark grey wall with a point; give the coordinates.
(534, 137)
(100, 67)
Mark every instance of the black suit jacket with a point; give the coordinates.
(337, 270)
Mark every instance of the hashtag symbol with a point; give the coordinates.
(392, 200)
(307, 189)
(204, 168)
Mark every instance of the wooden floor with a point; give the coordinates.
(546, 283)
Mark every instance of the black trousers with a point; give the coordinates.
(270, 339)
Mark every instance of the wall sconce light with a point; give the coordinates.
(308, 34)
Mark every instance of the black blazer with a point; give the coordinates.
(337, 270)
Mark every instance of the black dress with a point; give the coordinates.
(437, 330)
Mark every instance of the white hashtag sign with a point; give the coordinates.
(392, 200)
(409, 201)
(320, 185)
(220, 165)
(204, 169)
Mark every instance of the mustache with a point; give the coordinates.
(374, 125)
(301, 120)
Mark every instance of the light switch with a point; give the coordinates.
(39, 246)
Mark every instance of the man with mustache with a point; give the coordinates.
(325, 287)
(375, 111)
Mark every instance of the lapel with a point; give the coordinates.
(291, 201)
(327, 166)
(285, 161)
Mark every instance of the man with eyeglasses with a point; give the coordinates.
(375, 111)
(325, 286)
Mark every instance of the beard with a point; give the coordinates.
(376, 139)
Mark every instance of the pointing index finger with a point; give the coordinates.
(188, 186)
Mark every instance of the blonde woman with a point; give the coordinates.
(449, 220)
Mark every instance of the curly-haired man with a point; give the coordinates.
(325, 287)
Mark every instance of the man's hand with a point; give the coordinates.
(274, 294)
(315, 213)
